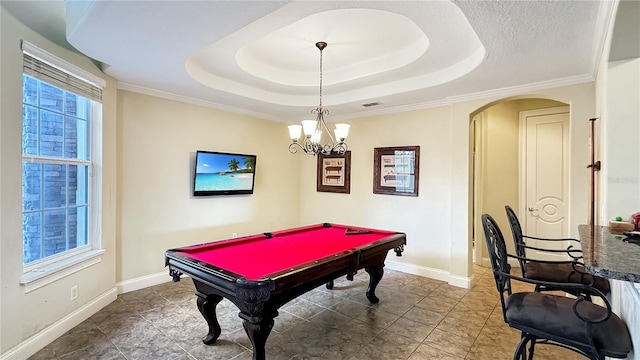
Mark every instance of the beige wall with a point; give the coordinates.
(157, 142)
(25, 314)
(621, 139)
(535, 104)
(500, 175)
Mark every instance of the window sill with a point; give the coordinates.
(46, 275)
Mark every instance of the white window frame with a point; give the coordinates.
(52, 268)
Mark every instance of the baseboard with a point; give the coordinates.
(436, 274)
(461, 281)
(143, 282)
(484, 262)
(43, 338)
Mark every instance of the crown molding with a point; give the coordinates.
(606, 14)
(524, 89)
(193, 101)
(489, 94)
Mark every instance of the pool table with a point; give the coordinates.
(260, 273)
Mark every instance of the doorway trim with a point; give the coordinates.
(478, 152)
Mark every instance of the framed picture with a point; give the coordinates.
(334, 173)
(395, 170)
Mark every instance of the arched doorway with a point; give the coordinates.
(496, 159)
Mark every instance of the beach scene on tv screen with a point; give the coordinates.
(224, 172)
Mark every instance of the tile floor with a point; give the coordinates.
(417, 319)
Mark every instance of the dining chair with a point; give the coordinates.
(571, 270)
(589, 329)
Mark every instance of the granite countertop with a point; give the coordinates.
(609, 255)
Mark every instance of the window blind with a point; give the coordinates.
(63, 80)
(60, 73)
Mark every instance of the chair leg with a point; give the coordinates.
(521, 349)
(532, 348)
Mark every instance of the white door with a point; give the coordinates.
(543, 213)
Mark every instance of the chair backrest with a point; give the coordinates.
(518, 240)
(497, 256)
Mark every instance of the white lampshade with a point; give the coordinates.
(309, 127)
(295, 131)
(342, 131)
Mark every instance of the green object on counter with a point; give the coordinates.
(618, 218)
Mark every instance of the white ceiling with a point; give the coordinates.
(259, 57)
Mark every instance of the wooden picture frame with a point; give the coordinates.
(334, 173)
(396, 170)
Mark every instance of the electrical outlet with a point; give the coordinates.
(235, 235)
(74, 292)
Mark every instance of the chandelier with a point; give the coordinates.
(314, 129)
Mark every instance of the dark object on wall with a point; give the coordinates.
(593, 166)
(334, 173)
(218, 173)
(396, 170)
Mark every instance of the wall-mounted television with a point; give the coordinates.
(219, 173)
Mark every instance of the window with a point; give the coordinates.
(55, 170)
(61, 111)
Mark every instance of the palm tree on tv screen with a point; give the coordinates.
(249, 162)
(233, 165)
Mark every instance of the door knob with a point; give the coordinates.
(532, 209)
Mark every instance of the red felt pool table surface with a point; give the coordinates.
(258, 256)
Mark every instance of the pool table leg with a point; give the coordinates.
(375, 275)
(258, 334)
(207, 308)
(330, 285)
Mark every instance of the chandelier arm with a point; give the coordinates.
(293, 149)
(340, 148)
(327, 149)
(309, 147)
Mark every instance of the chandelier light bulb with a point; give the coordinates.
(317, 135)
